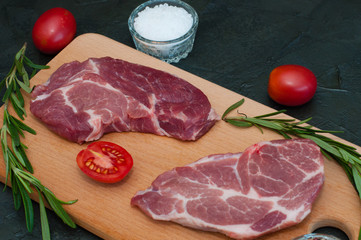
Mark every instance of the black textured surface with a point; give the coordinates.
(237, 44)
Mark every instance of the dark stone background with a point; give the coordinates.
(237, 45)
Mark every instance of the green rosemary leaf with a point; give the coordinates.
(16, 194)
(57, 199)
(4, 130)
(15, 101)
(29, 178)
(285, 135)
(18, 65)
(259, 128)
(19, 112)
(2, 83)
(303, 127)
(326, 154)
(300, 131)
(309, 129)
(272, 114)
(265, 123)
(20, 97)
(68, 202)
(19, 53)
(26, 79)
(5, 120)
(24, 86)
(338, 145)
(8, 91)
(231, 108)
(344, 146)
(45, 231)
(14, 134)
(303, 121)
(13, 162)
(14, 124)
(25, 185)
(279, 120)
(21, 69)
(23, 126)
(13, 131)
(33, 73)
(4, 148)
(348, 157)
(18, 154)
(28, 62)
(28, 207)
(357, 178)
(24, 146)
(352, 151)
(238, 123)
(58, 209)
(346, 168)
(354, 159)
(28, 165)
(326, 131)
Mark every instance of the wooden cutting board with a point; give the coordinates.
(105, 209)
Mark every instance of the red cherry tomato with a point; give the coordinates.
(291, 85)
(53, 30)
(105, 162)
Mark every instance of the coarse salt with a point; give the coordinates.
(163, 22)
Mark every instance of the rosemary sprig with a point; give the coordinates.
(18, 167)
(345, 155)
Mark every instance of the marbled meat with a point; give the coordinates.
(270, 186)
(81, 101)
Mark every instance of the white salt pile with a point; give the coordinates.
(163, 22)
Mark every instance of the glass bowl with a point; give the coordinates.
(316, 236)
(170, 51)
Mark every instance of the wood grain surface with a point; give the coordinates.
(105, 210)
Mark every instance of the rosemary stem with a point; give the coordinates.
(18, 167)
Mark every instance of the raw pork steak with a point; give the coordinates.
(82, 101)
(272, 185)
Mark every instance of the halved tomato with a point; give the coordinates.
(105, 161)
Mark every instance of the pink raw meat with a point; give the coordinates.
(272, 185)
(81, 101)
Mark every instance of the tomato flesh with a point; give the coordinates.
(105, 162)
(292, 85)
(53, 30)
